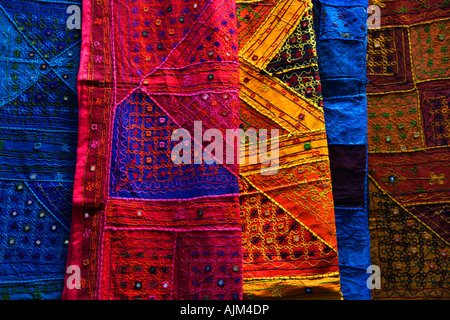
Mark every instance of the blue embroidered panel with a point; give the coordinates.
(39, 59)
(141, 164)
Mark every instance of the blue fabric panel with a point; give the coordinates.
(348, 174)
(336, 62)
(185, 181)
(343, 3)
(341, 34)
(344, 86)
(346, 120)
(354, 256)
(343, 23)
(39, 59)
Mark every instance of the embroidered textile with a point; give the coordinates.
(144, 227)
(92, 123)
(38, 132)
(408, 121)
(289, 234)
